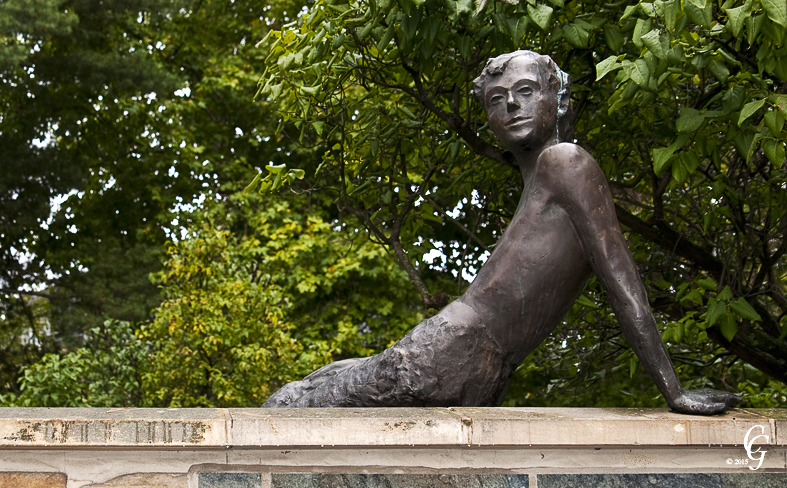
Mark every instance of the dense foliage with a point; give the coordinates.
(380, 182)
(118, 117)
(682, 103)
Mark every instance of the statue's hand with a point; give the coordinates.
(704, 402)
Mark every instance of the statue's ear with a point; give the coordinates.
(565, 122)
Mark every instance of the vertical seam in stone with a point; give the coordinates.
(775, 434)
(227, 427)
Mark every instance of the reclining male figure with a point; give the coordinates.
(564, 229)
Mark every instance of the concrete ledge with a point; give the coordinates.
(60, 428)
(403, 447)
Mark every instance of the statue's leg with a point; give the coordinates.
(447, 360)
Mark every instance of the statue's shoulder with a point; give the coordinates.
(568, 163)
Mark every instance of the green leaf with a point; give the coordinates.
(576, 35)
(689, 161)
(728, 326)
(630, 10)
(541, 15)
(690, 120)
(632, 366)
(613, 37)
(276, 169)
(679, 172)
(774, 151)
(776, 10)
(719, 70)
(310, 90)
(775, 122)
(699, 12)
(657, 43)
(672, 12)
(586, 302)
(298, 173)
(753, 25)
(642, 27)
(253, 184)
(737, 16)
(678, 332)
(707, 283)
(716, 308)
(745, 310)
(277, 181)
(662, 155)
(638, 71)
(276, 91)
(607, 66)
(749, 109)
(733, 99)
(648, 8)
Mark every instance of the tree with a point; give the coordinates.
(384, 154)
(241, 316)
(682, 103)
(117, 119)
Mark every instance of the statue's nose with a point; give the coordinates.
(511, 102)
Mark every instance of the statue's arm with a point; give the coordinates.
(581, 189)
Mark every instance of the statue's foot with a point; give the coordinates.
(704, 402)
(296, 393)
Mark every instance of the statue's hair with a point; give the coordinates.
(549, 76)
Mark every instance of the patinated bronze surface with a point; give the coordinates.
(564, 230)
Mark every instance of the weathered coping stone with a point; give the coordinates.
(193, 448)
(58, 428)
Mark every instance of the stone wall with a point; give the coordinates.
(390, 447)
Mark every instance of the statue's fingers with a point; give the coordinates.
(733, 400)
(711, 408)
(729, 399)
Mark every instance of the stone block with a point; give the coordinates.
(146, 480)
(607, 427)
(99, 427)
(325, 427)
(399, 481)
(229, 480)
(32, 480)
(688, 480)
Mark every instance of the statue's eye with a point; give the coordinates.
(525, 90)
(496, 99)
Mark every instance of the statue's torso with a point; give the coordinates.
(534, 275)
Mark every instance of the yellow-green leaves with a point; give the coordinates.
(608, 65)
(278, 175)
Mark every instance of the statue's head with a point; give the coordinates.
(526, 98)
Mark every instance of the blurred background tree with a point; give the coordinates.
(128, 132)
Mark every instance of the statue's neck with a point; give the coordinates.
(527, 159)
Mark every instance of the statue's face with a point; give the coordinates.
(521, 112)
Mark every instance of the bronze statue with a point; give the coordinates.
(563, 230)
